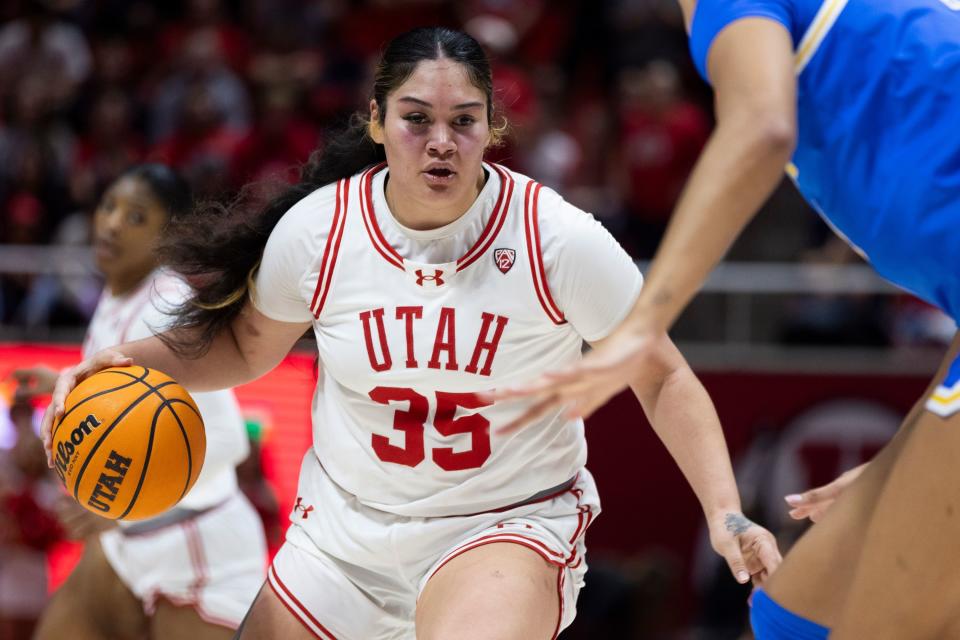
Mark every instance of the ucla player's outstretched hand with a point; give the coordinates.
(69, 378)
(584, 387)
(814, 503)
(750, 550)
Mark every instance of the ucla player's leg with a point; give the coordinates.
(92, 604)
(500, 590)
(171, 622)
(818, 572)
(906, 584)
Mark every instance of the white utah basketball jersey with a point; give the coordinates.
(138, 314)
(411, 324)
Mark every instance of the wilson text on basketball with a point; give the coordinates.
(67, 446)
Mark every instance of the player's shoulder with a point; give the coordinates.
(554, 216)
(539, 202)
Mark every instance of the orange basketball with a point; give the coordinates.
(130, 443)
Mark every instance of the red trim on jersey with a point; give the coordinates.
(487, 236)
(282, 592)
(370, 219)
(333, 242)
(556, 631)
(494, 224)
(549, 555)
(532, 229)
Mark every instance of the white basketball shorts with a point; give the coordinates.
(350, 572)
(213, 562)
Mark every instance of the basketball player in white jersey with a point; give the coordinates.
(428, 276)
(193, 571)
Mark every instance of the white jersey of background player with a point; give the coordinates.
(214, 560)
(206, 556)
(141, 313)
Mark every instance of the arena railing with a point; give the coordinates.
(732, 324)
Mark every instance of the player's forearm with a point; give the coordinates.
(740, 166)
(684, 418)
(222, 367)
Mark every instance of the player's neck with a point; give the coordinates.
(124, 283)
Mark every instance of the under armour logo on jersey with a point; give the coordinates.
(504, 259)
(300, 507)
(435, 278)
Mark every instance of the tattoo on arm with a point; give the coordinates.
(737, 523)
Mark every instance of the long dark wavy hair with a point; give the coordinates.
(218, 246)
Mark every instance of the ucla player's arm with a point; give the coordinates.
(751, 67)
(750, 63)
(684, 418)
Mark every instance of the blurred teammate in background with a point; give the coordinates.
(428, 275)
(193, 571)
(860, 97)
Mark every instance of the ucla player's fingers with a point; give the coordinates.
(540, 386)
(534, 411)
(799, 513)
(583, 406)
(572, 373)
(810, 499)
(817, 513)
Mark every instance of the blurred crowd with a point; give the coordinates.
(602, 102)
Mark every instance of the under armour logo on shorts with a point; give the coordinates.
(300, 507)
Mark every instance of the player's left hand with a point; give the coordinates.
(750, 550)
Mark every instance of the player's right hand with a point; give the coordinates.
(815, 502)
(34, 381)
(69, 378)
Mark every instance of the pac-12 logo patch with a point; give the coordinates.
(504, 259)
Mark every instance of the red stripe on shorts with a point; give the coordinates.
(285, 593)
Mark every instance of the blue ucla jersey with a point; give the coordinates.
(878, 149)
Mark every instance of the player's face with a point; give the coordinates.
(126, 224)
(434, 133)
